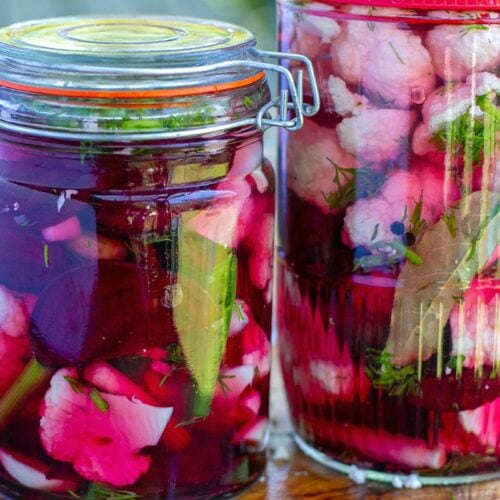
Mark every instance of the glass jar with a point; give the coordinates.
(136, 214)
(388, 292)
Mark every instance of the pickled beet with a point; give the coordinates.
(76, 317)
(28, 263)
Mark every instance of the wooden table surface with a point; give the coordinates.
(292, 475)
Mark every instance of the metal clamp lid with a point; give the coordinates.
(55, 72)
(289, 107)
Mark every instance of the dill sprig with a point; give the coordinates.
(472, 28)
(417, 224)
(98, 491)
(471, 133)
(352, 184)
(396, 381)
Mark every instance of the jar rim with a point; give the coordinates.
(63, 56)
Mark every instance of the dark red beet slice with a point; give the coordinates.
(91, 312)
(27, 262)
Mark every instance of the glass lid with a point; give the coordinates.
(132, 53)
(106, 41)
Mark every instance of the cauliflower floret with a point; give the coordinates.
(474, 324)
(101, 434)
(484, 423)
(314, 30)
(260, 243)
(346, 103)
(371, 134)
(448, 103)
(368, 222)
(376, 135)
(399, 69)
(312, 156)
(14, 343)
(392, 65)
(458, 50)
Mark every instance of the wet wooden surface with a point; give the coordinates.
(299, 477)
(292, 475)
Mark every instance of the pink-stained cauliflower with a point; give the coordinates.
(475, 323)
(370, 134)
(369, 222)
(448, 103)
(261, 249)
(470, 103)
(33, 473)
(484, 423)
(14, 343)
(314, 30)
(459, 50)
(102, 435)
(389, 63)
(311, 160)
(247, 344)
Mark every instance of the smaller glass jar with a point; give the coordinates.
(388, 284)
(136, 214)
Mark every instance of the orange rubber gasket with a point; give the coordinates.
(133, 94)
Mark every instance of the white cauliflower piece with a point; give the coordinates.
(316, 24)
(371, 134)
(448, 103)
(399, 69)
(390, 64)
(368, 222)
(346, 103)
(474, 324)
(458, 50)
(312, 31)
(376, 135)
(311, 156)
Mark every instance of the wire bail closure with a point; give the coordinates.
(289, 107)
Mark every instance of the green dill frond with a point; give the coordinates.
(397, 381)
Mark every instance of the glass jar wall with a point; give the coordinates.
(388, 305)
(135, 271)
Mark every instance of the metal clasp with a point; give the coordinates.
(290, 98)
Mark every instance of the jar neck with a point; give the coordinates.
(94, 119)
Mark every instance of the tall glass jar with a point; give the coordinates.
(136, 215)
(389, 303)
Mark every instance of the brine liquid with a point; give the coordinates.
(390, 335)
(134, 282)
